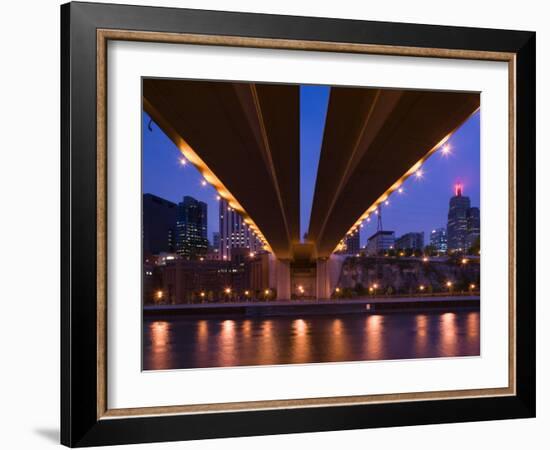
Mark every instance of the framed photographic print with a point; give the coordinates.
(276, 224)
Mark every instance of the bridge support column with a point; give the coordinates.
(279, 277)
(328, 274)
(283, 279)
(323, 282)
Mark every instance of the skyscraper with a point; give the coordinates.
(379, 242)
(235, 233)
(463, 222)
(159, 224)
(457, 220)
(191, 228)
(438, 240)
(352, 244)
(216, 240)
(410, 241)
(473, 227)
(214, 247)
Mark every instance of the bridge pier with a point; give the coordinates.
(280, 277)
(323, 282)
(328, 273)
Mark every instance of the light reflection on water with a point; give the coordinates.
(160, 349)
(183, 342)
(374, 340)
(421, 333)
(448, 333)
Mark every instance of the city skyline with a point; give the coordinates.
(421, 207)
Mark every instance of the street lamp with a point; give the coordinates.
(160, 294)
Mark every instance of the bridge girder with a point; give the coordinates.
(372, 139)
(244, 138)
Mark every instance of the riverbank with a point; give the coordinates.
(367, 305)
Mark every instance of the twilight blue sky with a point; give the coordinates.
(313, 112)
(421, 207)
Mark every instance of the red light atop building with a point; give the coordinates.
(458, 190)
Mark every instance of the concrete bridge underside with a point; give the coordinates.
(245, 137)
(372, 138)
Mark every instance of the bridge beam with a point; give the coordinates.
(372, 138)
(244, 138)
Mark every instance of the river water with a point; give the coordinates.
(182, 342)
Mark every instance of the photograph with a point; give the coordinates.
(302, 224)
(276, 223)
